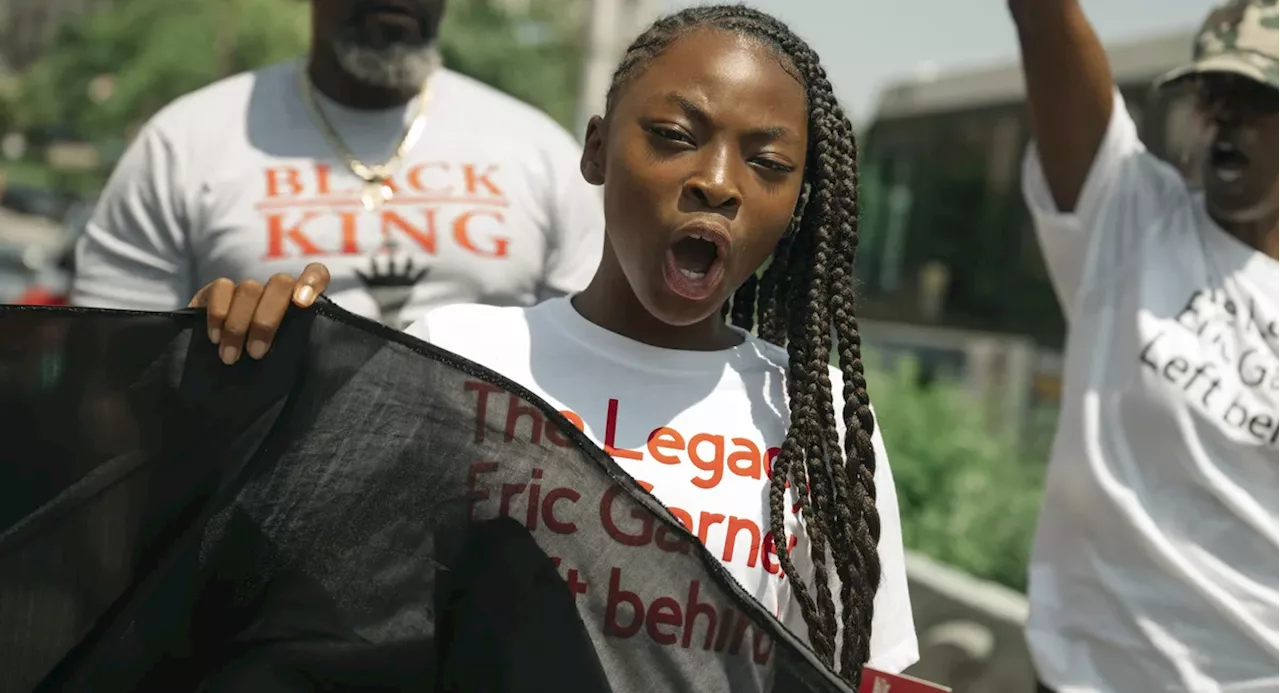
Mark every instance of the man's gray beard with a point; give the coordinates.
(397, 66)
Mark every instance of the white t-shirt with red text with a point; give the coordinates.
(698, 429)
(1155, 562)
(235, 180)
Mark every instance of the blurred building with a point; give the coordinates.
(949, 267)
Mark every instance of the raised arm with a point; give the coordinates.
(1069, 91)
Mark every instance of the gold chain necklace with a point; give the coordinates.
(376, 191)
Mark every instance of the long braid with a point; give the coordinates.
(771, 304)
(805, 293)
(858, 419)
(744, 303)
(858, 533)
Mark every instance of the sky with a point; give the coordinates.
(866, 45)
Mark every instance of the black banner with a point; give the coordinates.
(344, 515)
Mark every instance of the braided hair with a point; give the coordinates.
(804, 293)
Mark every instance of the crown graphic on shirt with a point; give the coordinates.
(392, 274)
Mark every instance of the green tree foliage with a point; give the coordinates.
(157, 50)
(531, 49)
(10, 99)
(966, 498)
(154, 51)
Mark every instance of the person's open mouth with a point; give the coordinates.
(695, 261)
(1227, 161)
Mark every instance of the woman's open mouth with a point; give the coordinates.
(694, 265)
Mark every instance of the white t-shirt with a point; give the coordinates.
(699, 427)
(1155, 562)
(235, 180)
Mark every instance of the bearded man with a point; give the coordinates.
(415, 185)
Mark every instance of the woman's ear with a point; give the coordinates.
(593, 152)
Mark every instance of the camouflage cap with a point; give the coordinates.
(1239, 37)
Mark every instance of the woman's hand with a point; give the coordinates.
(244, 317)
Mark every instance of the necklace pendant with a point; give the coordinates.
(375, 195)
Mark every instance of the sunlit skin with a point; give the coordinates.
(713, 133)
(1240, 170)
(379, 22)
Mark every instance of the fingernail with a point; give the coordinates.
(306, 295)
(229, 354)
(215, 335)
(257, 349)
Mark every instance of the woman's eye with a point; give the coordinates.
(668, 133)
(773, 165)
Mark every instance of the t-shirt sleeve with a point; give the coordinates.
(1122, 195)
(134, 250)
(576, 238)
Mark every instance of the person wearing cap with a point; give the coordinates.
(1155, 561)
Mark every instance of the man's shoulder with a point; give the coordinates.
(491, 106)
(212, 106)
